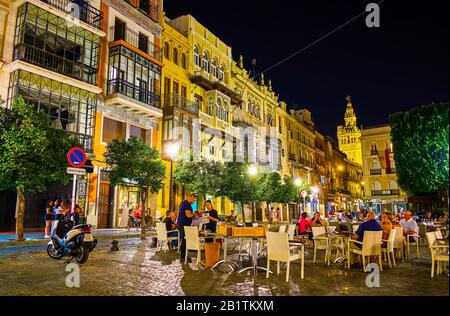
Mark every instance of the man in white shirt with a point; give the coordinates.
(410, 226)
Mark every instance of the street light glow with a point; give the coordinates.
(340, 168)
(252, 170)
(298, 182)
(172, 150)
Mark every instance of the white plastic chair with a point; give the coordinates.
(415, 243)
(291, 231)
(193, 242)
(389, 250)
(331, 229)
(163, 239)
(371, 246)
(282, 228)
(398, 243)
(320, 242)
(278, 250)
(439, 253)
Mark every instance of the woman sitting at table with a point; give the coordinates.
(318, 221)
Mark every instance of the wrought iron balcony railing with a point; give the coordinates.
(136, 40)
(135, 92)
(79, 9)
(375, 172)
(385, 192)
(56, 63)
(391, 171)
(182, 103)
(147, 7)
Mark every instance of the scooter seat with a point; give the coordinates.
(82, 226)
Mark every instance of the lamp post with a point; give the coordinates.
(172, 151)
(298, 183)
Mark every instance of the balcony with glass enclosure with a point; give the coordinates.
(133, 82)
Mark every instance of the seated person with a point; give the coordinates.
(305, 225)
(231, 218)
(318, 221)
(171, 227)
(410, 226)
(369, 225)
(386, 225)
(137, 215)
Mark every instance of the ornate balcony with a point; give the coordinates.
(385, 192)
(87, 13)
(181, 103)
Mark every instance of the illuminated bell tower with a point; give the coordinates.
(349, 136)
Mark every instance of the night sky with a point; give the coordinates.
(393, 68)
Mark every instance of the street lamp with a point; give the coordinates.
(298, 182)
(172, 151)
(252, 170)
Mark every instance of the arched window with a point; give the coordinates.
(214, 68)
(175, 56)
(184, 61)
(210, 106)
(206, 65)
(196, 56)
(393, 185)
(225, 111)
(222, 73)
(219, 108)
(375, 164)
(377, 186)
(166, 51)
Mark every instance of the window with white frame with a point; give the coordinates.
(222, 73)
(214, 69)
(206, 65)
(196, 56)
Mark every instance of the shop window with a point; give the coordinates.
(112, 130)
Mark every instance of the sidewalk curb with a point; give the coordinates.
(45, 241)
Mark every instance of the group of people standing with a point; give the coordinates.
(187, 217)
(54, 210)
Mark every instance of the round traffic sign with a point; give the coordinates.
(304, 193)
(76, 157)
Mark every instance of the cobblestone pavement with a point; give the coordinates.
(136, 269)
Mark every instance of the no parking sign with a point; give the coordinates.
(76, 157)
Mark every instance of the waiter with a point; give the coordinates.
(185, 215)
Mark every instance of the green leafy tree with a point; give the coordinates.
(133, 161)
(238, 185)
(270, 188)
(420, 142)
(32, 154)
(203, 176)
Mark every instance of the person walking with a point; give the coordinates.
(185, 215)
(48, 218)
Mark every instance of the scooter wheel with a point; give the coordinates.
(83, 255)
(53, 253)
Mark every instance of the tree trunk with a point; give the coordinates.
(253, 212)
(144, 207)
(243, 212)
(20, 214)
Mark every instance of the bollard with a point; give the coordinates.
(114, 245)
